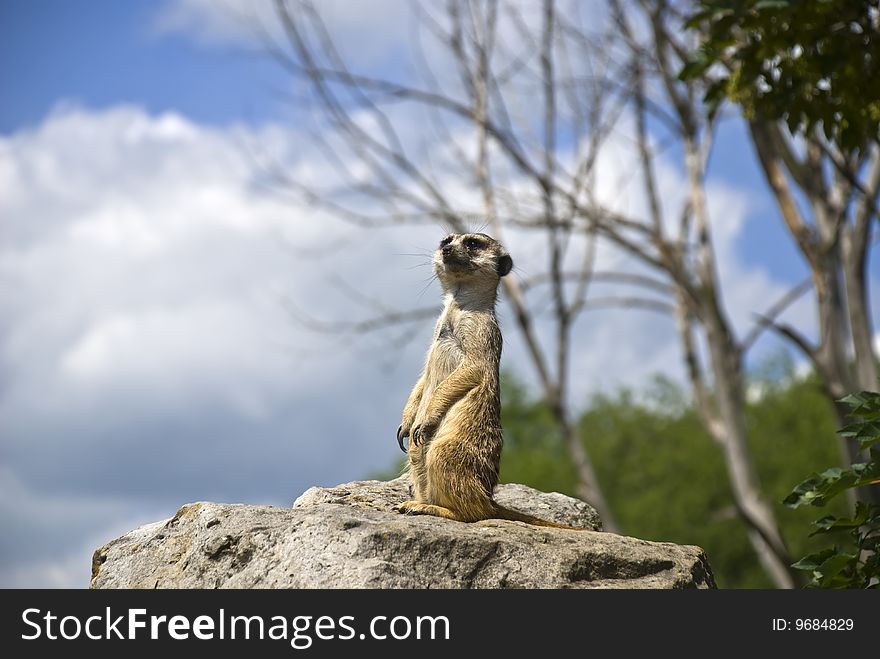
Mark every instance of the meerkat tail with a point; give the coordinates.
(500, 512)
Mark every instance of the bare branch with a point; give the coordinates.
(645, 157)
(800, 170)
(372, 324)
(705, 406)
(343, 120)
(769, 160)
(623, 302)
(584, 277)
(605, 276)
(867, 190)
(792, 335)
(774, 311)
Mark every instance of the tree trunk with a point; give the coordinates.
(856, 277)
(725, 358)
(764, 533)
(587, 483)
(836, 249)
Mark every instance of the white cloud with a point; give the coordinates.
(214, 22)
(371, 31)
(142, 324)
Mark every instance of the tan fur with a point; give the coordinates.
(453, 415)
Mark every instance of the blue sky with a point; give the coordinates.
(104, 52)
(146, 356)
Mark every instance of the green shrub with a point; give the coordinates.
(855, 561)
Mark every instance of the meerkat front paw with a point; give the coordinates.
(423, 433)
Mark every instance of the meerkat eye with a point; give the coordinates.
(445, 241)
(473, 243)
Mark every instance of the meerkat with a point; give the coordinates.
(453, 416)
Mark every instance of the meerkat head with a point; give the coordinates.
(471, 258)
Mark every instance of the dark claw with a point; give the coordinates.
(416, 436)
(400, 437)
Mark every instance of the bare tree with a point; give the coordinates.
(409, 191)
(687, 256)
(832, 232)
(827, 197)
(524, 109)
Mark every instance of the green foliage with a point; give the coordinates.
(856, 564)
(818, 489)
(866, 405)
(534, 452)
(665, 478)
(810, 64)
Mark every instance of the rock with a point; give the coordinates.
(384, 495)
(350, 537)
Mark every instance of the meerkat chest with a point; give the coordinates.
(446, 351)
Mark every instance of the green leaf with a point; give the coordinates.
(818, 489)
(715, 95)
(856, 399)
(867, 433)
(871, 568)
(868, 442)
(852, 430)
(871, 544)
(694, 68)
(864, 513)
(811, 562)
(864, 403)
(830, 571)
(699, 18)
(831, 568)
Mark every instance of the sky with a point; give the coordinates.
(148, 355)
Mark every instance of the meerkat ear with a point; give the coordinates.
(505, 265)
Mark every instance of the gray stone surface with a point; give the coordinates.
(350, 537)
